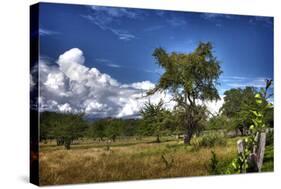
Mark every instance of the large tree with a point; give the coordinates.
(191, 78)
(238, 101)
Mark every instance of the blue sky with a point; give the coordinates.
(120, 41)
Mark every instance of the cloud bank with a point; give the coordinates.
(69, 86)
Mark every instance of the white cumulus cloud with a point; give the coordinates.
(70, 86)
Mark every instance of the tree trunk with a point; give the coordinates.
(157, 138)
(60, 141)
(187, 136)
(67, 143)
(113, 138)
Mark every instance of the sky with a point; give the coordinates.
(99, 59)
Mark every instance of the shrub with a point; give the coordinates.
(208, 140)
(214, 164)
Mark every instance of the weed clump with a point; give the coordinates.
(208, 140)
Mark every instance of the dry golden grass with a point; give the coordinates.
(140, 160)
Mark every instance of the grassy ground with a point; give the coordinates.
(131, 159)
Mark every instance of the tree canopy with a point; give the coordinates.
(237, 103)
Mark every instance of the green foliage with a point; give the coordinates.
(214, 168)
(236, 99)
(270, 137)
(47, 124)
(97, 129)
(156, 119)
(112, 128)
(218, 122)
(207, 140)
(242, 163)
(237, 102)
(194, 72)
(64, 127)
(189, 77)
(268, 117)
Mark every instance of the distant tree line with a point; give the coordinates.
(67, 127)
(63, 127)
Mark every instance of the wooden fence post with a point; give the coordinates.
(260, 150)
(256, 157)
(240, 146)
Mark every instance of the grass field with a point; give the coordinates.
(131, 159)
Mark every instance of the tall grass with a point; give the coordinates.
(141, 160)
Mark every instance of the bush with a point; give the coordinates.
(214, 164)
(208, 140)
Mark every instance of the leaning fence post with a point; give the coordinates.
(260, 150)
(255, 148)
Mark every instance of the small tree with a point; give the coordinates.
(155, 119)
(113, 128)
